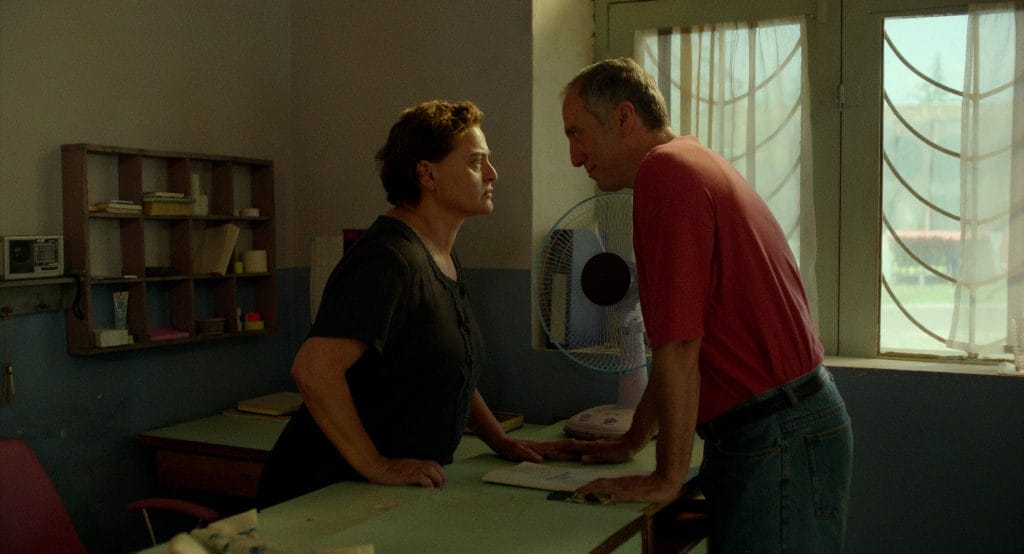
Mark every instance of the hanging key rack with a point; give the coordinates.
(7, 389)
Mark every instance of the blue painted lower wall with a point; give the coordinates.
(939, 463)
(82, 414)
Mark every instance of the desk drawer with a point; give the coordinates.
(208, 473)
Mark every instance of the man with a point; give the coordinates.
(735, 353)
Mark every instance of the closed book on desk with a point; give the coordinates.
(279, 403)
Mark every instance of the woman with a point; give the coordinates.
(389, 370)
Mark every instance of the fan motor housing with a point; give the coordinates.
(605, 279)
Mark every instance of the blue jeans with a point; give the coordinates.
(782, 483)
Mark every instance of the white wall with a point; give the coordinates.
(563, 36)
(358, 64)
(210, 77)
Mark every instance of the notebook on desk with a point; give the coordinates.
(276, 404)
(544, 476)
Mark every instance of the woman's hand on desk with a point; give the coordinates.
(536, 451)
(606, 451)
(408, 471)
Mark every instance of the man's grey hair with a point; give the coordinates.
(606, 84)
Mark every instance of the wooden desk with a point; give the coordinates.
(468, 515)
(221, 454)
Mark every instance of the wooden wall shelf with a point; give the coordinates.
(112, 251)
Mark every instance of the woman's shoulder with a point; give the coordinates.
(387, 241)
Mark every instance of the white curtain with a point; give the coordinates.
(990, 281)
(741, 88)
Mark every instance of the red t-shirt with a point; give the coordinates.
(713, 262)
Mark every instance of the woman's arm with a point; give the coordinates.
(319, 370)
(486, 426)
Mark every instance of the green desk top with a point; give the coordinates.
(252, 433)
(468, 515)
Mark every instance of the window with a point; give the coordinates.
(738, 87)
(949, 190)
(915, 217)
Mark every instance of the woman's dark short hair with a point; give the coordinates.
(605, 84)
(425, 131)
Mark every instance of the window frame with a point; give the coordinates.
(845, 73)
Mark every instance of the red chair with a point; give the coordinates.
(202, 514)
(33, 517)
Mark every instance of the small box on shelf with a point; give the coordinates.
(253, 322)
(106, 338)
(210, 326)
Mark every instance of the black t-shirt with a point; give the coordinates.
(413, 386)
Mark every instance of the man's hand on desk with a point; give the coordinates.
(633, 488)
(408, 471)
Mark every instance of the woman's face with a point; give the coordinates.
(464, 180)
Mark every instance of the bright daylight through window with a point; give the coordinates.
(952, 186)
(740, 88)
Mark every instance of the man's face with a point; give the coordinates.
(594, 146)
(465, 178)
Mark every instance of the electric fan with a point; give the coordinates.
(586, 297)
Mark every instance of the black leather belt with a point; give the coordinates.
(778, 399)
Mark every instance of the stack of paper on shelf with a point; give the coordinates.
(167, 203)
(116, 206)
(214, 252)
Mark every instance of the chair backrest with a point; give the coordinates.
(32, 515)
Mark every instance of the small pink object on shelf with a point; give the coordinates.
(166, 333)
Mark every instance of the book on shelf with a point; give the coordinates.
(166, 333)
(167, 206)
(215, 247)
(162, 195)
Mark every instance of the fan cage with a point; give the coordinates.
(598, 337)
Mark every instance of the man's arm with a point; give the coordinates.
(676, 386)
(671, 399)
